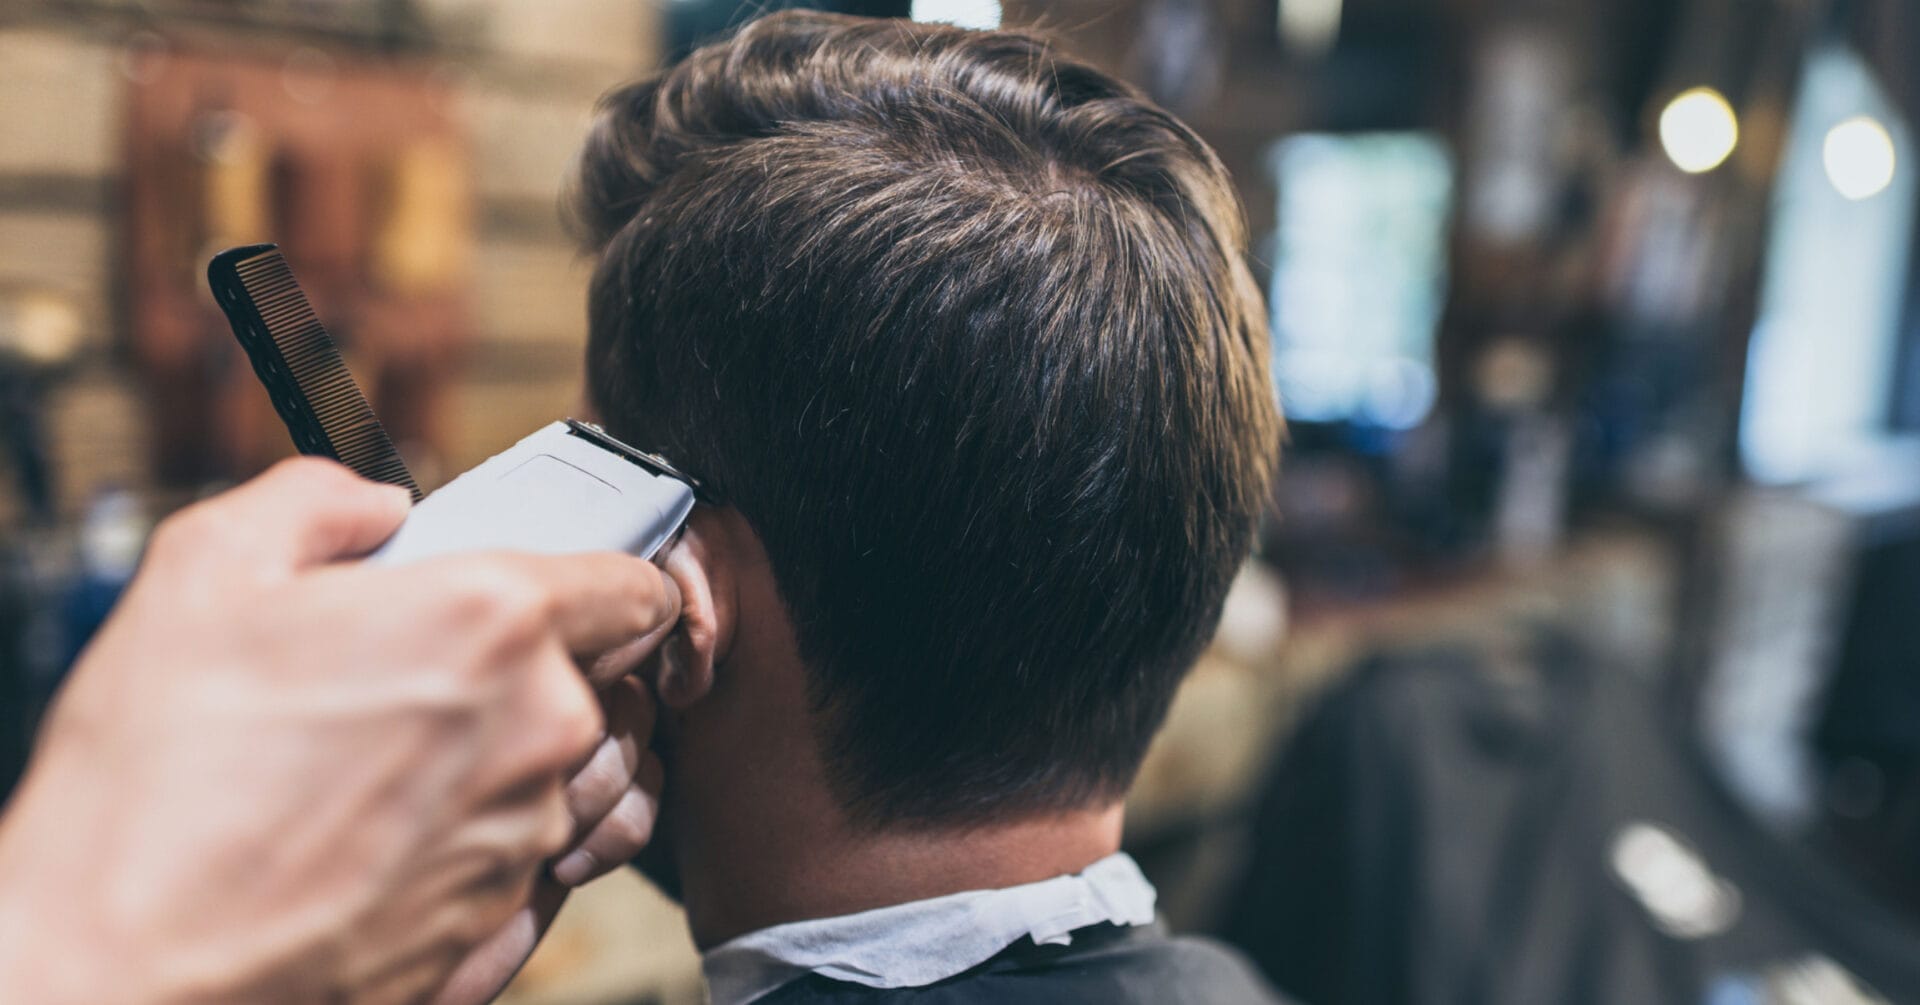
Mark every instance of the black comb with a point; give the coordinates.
(296, 359)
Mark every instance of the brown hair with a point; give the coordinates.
(963, 328)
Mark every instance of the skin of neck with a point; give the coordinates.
(758, 838)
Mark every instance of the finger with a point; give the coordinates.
(617, 838)
(430, 931)
(487, 970)
(302, 512)
(600, 601)
(594, 790)
(558, 699)
(467, 932)
(617, 664)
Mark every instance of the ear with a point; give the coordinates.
(701, 564)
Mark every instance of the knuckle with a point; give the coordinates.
(631, 824)
(582, 727)
(187, 531)
(498, 602)
(312, 473)
(574, 721)
(597, 780)
(554, 832)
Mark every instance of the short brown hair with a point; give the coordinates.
(963, 328)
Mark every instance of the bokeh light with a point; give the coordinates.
(1699, 130)
(1859, 157)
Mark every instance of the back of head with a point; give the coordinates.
(962, 327)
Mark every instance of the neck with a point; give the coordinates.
(756, 833)
(841, 870)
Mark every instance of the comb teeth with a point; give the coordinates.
(296, 359)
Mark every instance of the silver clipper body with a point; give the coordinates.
(567, 488)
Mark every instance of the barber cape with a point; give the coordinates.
(1088, 937)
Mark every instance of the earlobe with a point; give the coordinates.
(701, 565)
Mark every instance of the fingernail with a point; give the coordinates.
(574, 869)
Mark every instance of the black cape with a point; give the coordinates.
(1441, 833)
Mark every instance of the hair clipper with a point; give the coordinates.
(569, 487)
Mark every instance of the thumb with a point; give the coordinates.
(303, 512)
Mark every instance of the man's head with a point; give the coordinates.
(961, 331)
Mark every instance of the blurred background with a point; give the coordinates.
(1582, 658)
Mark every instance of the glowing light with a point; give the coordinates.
(961, 13)
(1859, 157)
(1310, 27)
(1699, 130)
(1685, 898)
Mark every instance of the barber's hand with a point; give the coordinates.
(613, 800)
(276, 776)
